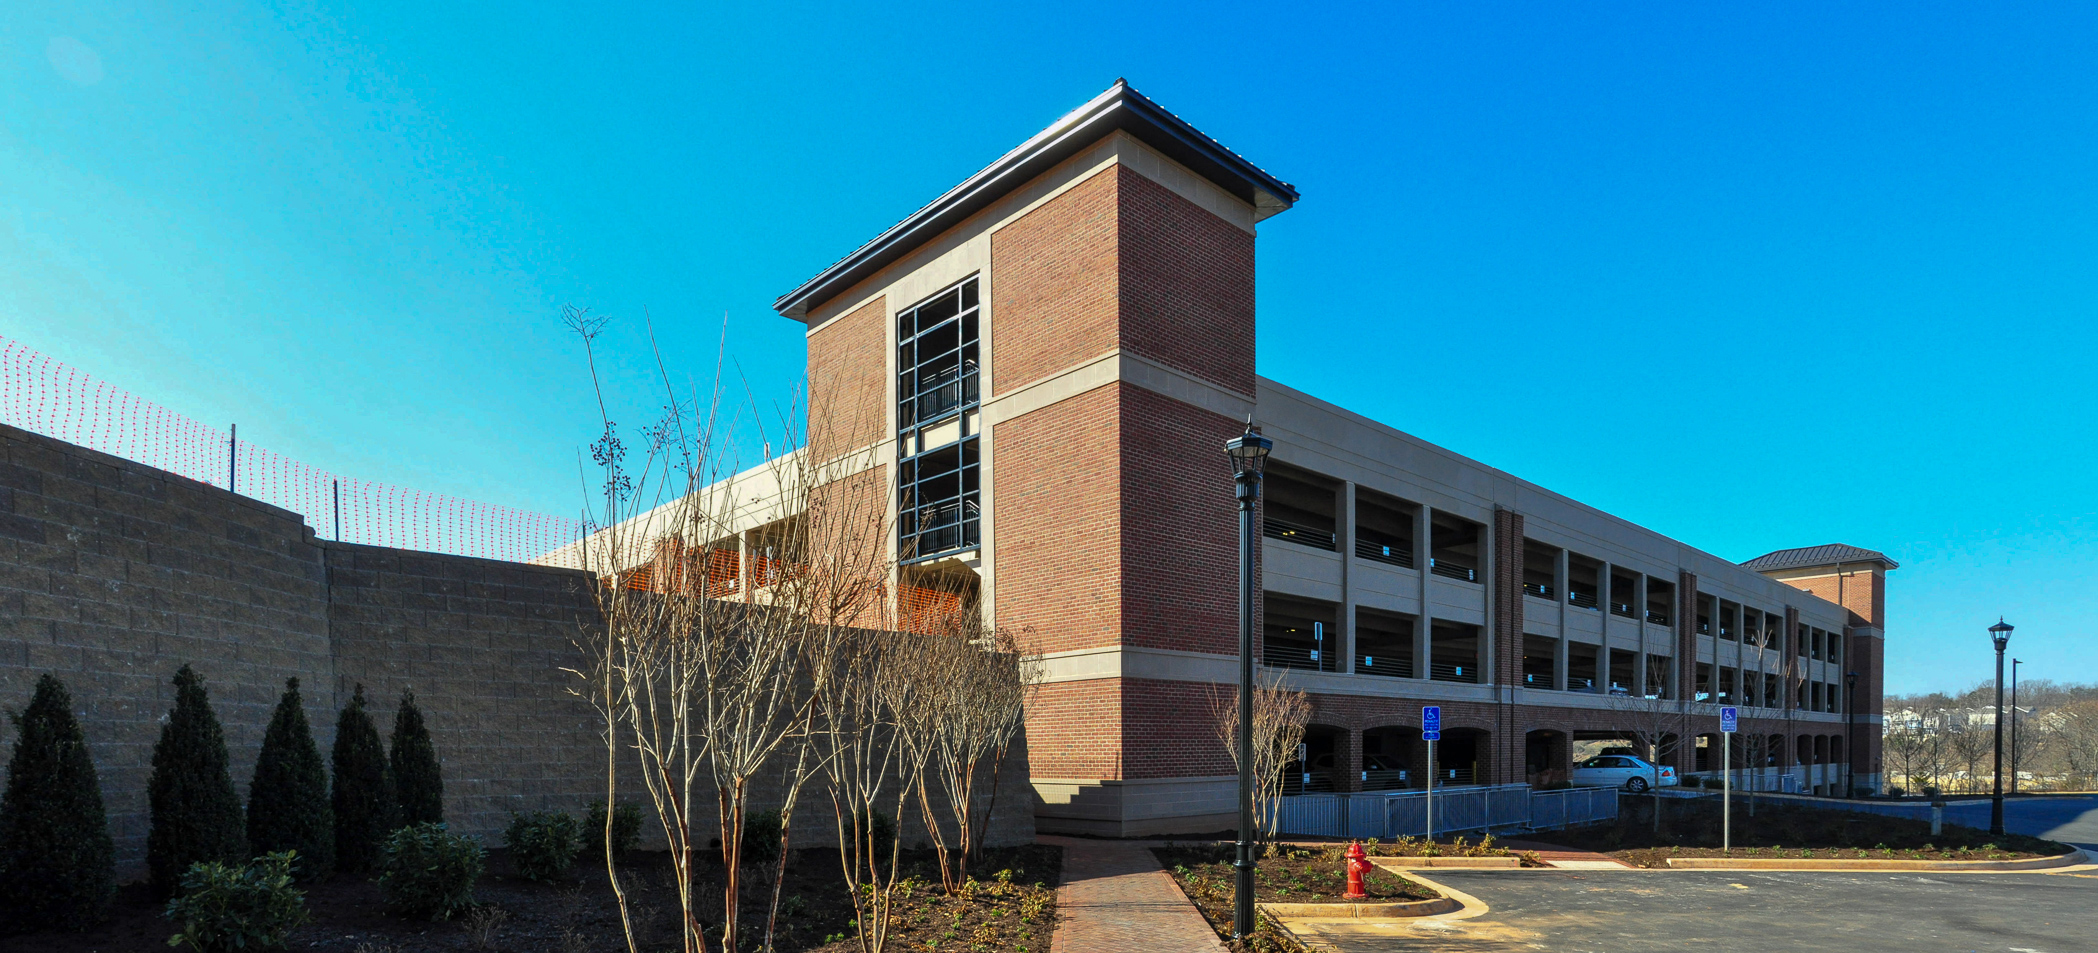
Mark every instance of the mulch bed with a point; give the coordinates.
(1017, 913)
(1691, 829)
(1286, 874)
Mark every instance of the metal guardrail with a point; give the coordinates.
(1551, 810)
(1581, 600)
(1288, 532)
(1384, 553)
(1457, 809)
(1453, 571)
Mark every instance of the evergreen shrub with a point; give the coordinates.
(224, 908)
(429, 872)
(543, 844)
(57, 864)
(626, 829)
(366, 809)
(761, 837)
(288, 808)
(196, 812)
(415, 772)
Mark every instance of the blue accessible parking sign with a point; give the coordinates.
(1431, 723)
(1729, 718)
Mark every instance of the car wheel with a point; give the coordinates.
(1636, 785)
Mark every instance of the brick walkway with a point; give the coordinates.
(1115, 899)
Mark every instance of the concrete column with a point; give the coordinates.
(1565, 577)
(1423, 627)
(743, 568)
(1604, 591)
(1344, 537)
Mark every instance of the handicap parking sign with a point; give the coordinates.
(1431, 723)
(1729, 718)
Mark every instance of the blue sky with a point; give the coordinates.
(1755, 278)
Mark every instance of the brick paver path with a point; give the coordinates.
(1115, 899)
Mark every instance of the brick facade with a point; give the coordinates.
(849, 381)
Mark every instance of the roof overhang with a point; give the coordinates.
(1119, 108)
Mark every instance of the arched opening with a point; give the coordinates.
(1774, 751)
(1706, 757)
(1803, 750)
(1312, 770)
(1391, 758)
(1458, 756)
(1546, 758)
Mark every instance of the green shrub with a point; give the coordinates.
(229, 907)
(415, 772)
(761, 837)
(196, 813)
(288, 807)
(365, 806)
(57, 865)
(626, 829)
(430, 872)
(543, 844)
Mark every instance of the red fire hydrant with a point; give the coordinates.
(1358, 864)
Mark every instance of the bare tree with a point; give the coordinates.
(978, 681)
(1279, 716)
(1655, 727)
(1913, 752)
(2076, 742)
(1967, 746)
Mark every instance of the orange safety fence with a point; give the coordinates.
(48, 397)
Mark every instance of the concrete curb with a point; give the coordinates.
(1414, 863)
(1359, 911)
(2069, 859)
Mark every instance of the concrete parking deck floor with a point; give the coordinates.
(1659, 911)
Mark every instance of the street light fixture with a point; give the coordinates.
(2001, 633)
(1249, 453)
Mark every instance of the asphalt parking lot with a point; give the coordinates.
(1636, 911)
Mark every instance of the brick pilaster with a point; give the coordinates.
(1507, 642)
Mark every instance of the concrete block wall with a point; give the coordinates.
(113, 575)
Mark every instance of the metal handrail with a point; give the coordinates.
(1448, 672)
(1384, 553)
(1656, 617)
(1581, 600)
(1298, 533)
(1440, 568)
(1538, 589)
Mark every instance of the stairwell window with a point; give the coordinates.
(937, 403)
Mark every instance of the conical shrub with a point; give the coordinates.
(415, 771)
(196, 813)
(57, 865)
(366, 809)
(288, 807)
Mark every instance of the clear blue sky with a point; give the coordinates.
(1753, 278)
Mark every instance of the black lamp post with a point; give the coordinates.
(2001, 632)
(2014, 724)
(1249, 453)
(1850, 734)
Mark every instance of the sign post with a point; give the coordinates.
(1431, 732)
(1729, 722)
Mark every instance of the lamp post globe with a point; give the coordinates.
(1249, 454)
(2000, 633)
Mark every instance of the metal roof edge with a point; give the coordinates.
(1119, 107)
